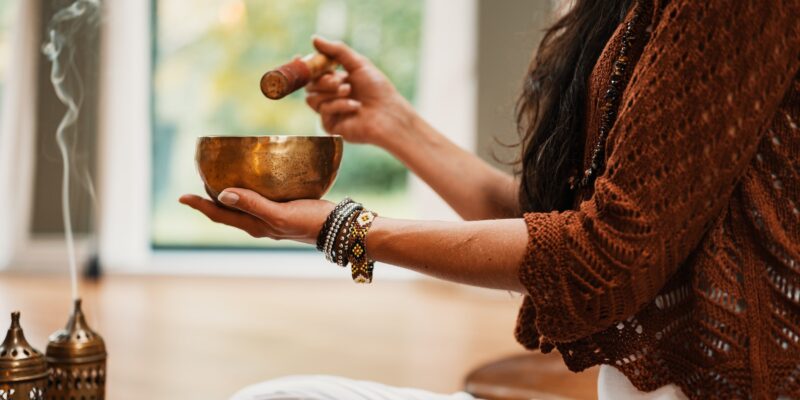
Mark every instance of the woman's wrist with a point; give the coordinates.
(409, 136)
(342, 239)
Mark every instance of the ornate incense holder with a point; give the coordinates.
(76, 356)
(73, 368)
(280, 168)
(23, 369)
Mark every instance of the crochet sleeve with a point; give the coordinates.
(707, 83)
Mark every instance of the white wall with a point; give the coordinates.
(508, 33)
(17, 133)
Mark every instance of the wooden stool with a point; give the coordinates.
(531, 376)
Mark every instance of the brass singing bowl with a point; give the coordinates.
(280, 168)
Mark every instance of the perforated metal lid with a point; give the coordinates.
(19, 361)
(77, 342)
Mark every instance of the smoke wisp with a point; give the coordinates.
(59, 48)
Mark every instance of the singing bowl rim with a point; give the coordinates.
(247, 145)
(283, 137)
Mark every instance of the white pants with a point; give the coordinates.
(614, 385)
(324, 387)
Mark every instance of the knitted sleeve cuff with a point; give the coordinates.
(552, 308)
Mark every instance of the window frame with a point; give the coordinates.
(446, 92)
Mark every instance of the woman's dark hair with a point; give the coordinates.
(551, 109)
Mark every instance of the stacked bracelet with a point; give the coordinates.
(326, 227)
(336, 226)
(330, 229)
(361, 266)
(343, 239)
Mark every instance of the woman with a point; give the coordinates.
(654, 226)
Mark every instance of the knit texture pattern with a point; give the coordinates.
(682, 263)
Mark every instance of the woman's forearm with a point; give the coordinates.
(475, 189)
(484, 253)
(479, 253)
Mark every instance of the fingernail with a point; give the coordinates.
(353, 103)
(228, 198)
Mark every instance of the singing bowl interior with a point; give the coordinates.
(280, 168)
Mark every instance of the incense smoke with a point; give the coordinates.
(60, 50)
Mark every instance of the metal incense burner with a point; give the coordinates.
(23, 369)
(77, 359)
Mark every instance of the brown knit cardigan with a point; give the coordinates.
(682, 264)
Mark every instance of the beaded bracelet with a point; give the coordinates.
(341, 244)
(323, 233)
(331, 249)
(361, 266)
(345, 213)
(328, 231)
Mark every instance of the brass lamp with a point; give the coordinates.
(76, 356)
(23, 369)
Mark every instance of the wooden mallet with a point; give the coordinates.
(287, 78)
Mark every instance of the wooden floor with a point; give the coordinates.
(203, 338)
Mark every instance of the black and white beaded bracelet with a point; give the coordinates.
(330, 236)
(343, 216)
(326, 227)
(342, 245)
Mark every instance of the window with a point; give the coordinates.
(208, 62)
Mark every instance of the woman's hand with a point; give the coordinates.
(360, 104)
(299, 220)
(364, 107)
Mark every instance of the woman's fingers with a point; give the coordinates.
(340, 52)
(339, 106)
(254, 204)
(327, 82)
(299, 220)
(315, 99)
(252, 225)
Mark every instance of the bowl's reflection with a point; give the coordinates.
(280, 168)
